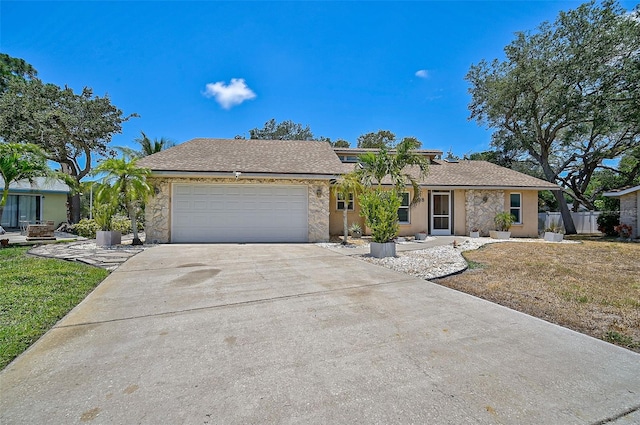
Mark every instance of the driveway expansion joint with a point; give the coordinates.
(236, 304)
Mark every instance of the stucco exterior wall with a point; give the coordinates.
(459, 213)
(336, 216)
(158, 209)
(629, 207)
(54, 207)
(417, 216)
(529, 226)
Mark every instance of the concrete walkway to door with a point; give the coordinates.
(240, 334)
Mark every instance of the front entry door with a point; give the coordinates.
(440, 213)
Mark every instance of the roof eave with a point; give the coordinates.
(242, 175)
(622, 192)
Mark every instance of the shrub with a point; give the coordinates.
(607, 221)
(86, 228)
(380, 211)
(504, 221)
(121, 223)
(624, 230)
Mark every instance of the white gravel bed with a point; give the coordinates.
(432, 263)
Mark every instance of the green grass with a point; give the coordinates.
(34, 294)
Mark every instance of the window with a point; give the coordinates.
(340, 202)
(403, 211)
(515, 202)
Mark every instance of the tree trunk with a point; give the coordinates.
(567, 219)
(134, 226)
(74, 208)
(345, 224)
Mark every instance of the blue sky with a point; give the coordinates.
(218, 69)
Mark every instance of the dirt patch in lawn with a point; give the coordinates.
(592, 287)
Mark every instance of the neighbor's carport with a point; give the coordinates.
(240, 334)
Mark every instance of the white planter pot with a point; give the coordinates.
(474, 234)
(496, 234)
(421, 236)
(108, 238)
(553, 237)
(382, 250)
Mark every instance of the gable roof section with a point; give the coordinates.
(481, 174)
(475, 175)
(291, 157)
(622, 191)
(39, 185)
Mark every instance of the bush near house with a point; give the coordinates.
(607, 221)
(87, 228)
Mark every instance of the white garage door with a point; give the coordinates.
(239, 213)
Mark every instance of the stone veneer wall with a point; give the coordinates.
(158, 208)
(629, 211)
(482, 206)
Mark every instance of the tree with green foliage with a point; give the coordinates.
(378, 140)
(72, 129)
(380, 207)
(567, 95)
(402, 167)
(14, 68)
(286, 130)
(147, 146)
(341, 143)
(127, 183)
(20, 161)
(346, 186)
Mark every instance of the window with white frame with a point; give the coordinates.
(341, 202)
(515, 205)
(403, 211)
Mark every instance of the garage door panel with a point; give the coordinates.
(239, 213)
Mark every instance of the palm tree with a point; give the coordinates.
(400, 167)
(345, 186)
(380, 208)
(20, 161)
(148, 146)
(128, 182)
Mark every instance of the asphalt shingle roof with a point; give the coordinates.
(470, 174)
(247, 155)
(481, 174)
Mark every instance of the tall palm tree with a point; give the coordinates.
(347, 185)
(20, 161)
(129, 182)
(401, 167)
(147, 146)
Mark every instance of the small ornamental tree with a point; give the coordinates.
(380, 211)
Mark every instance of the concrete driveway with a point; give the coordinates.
(235, 334)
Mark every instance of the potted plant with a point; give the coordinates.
(380, 210)
(103, 216)
(355, 230)
(474, 232)
(553, 233)
(503, 222)
(420, 236)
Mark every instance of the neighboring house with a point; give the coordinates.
(221, 190)
(629, 207)
(43, 200)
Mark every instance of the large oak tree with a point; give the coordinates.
(71, 128)
(567, 95)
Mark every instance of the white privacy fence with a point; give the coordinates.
(586, 222)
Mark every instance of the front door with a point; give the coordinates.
(440, 213)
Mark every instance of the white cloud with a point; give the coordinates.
(229, 95)
(423, 73)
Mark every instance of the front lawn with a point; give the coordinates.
(34, 294)
(592, 287)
